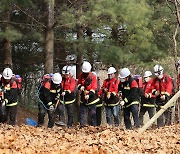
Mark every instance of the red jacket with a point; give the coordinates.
(164, 86)
(83, 81)
(89, 81)
(110, 87)
(68, 86)
(147, 91)
(148, 87)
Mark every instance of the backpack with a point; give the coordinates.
(18, 80)
(46, 78)
(139, 81)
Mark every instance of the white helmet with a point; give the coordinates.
(158, 70)
(7, 73)
(57, 78)
(66, 70)
(178, 63)
(111, 70)
(86, 67)
(124, 73)
(147, 74)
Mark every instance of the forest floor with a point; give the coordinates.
(24, 113)
(88, 140)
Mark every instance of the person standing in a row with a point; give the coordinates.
(49, 95)
(128, 89)
(109, 90)
(68, 94)
(9, 91)
(87, 84)
(147, 99)
(162, 89)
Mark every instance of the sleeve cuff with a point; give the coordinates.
(6, 100)
(68, 91)
(49, 104)
(126, 100)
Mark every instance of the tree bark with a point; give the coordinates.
(49, 37)
(7, 52)
(177, 105)
(79, 55)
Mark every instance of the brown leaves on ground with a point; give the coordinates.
(91, 140)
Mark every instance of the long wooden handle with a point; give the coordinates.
(57, 104)
(161, 111)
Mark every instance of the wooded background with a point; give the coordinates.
(41, 36)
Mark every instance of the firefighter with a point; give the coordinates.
(128, 89)
(68, 94)
(9, 96)
(111, 98)
(49, 96)
(87, 84)
(162, 89)
(147, 99)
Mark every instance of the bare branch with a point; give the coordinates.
(177, 11)
(167, 2)
(32, 18)
(69, 1)
(175, 42)
(17, 23)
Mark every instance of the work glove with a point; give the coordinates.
(2, 103)
(108, 95)
(147, 95)
(163, 97)
(86, 92)
(86, 97)
(122, 103)
(156, 93)
(82, 88)
(51, 108)
(105, 90)
(63, 93)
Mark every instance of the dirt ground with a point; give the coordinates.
(23, 113)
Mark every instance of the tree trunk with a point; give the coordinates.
(177, 105)
(49, 37)
(89, 47)
(7, 52)
(79, 55)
